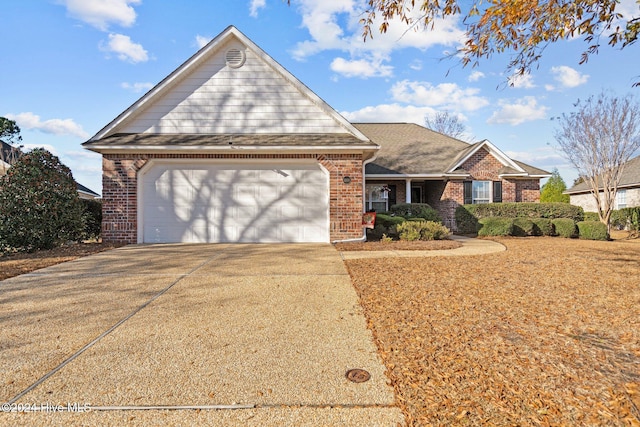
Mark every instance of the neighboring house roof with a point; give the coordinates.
(86, 191)
(630, 178)
(412, 150)
(229, 89)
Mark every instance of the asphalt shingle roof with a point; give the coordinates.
(630, 177)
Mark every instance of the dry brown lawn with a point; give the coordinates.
(545, 333)
(398, 245)
(14, 265)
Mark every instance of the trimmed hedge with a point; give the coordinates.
(523, 227)
(565, 227)
(92, 218)
(495, 226)
(415, 210)
(593, 230)
(593, 216)
(543, 227)
(385, 224)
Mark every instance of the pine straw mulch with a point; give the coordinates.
(14, 265)
(398, 245)
(545, 333)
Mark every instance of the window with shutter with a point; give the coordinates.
(468, 192)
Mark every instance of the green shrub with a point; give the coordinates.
(565, 227)
(525, 210)
(416, 210)
(593, 230)
(495, 226)
(39, 204)
(466, 222)
(591, 216)
(522, 227)
(543, 227)
(626, 219)
(92, 218)
(422, 230)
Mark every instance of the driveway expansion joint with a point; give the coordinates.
(108, 331)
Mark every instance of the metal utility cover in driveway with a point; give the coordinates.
(233, 202)
(270, 327)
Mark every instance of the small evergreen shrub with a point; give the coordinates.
(422, 230)
(92, 218)
(522, 227)
(592, 216)
(466, 222)
(543, 227)
(593, 230)
(495, 226)
(565, 227)
(416, 210)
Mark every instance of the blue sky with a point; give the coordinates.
(69, 67)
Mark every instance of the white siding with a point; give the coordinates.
(215, 98)
(588, 203)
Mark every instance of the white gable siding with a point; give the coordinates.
(216, 98)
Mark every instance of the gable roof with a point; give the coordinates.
(630, 178)
(209, 95)
(82, 189)
(411, 150)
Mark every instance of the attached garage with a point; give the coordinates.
(233, 202)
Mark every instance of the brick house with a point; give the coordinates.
(231, 147)
(417, 165)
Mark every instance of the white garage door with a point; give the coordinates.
(243, 202)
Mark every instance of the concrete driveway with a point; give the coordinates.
(191, 334)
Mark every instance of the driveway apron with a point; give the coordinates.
(234, 334)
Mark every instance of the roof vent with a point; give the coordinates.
(235, 58)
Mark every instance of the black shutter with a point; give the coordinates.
(497, 191)
(392, 196)
(468, 192)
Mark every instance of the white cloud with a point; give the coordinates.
(449, 96)
(201, 41)
(521, 81)
(522, 110)
(542, 155)
(101, 13)
(255, 6)
(125, 49)
(335, 25)
(32, 121)
(361, 68)
(138, 87)
(568, 77)
(390, 113)
(416, 65)
(475, 76)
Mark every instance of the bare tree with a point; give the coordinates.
(598, 139)
(447, 124)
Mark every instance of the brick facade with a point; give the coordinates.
(120, 188)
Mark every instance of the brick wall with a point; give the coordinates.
(120, 185)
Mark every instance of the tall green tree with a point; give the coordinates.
(9, 131)
(39, 204)
(551, 191)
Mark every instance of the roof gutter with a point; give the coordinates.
(167, 149)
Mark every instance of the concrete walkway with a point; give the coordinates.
(469, 246)
(191, 335)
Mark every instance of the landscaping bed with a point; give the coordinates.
(14, 265)
(545, 333)
(399, 245)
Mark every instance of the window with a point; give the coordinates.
(481, 192)
(377, 197)
(621, 199)
(476, 192)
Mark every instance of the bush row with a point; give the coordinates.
(467, 216)
(409, 221)
(621, 219)
(563, 227)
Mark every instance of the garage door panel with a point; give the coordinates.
(235, 203)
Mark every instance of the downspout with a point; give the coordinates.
(364, 182)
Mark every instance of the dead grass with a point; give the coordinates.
(545, 333)
(14, 265)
